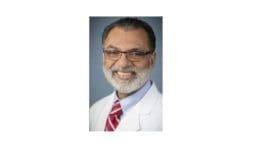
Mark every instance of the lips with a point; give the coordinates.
(124, 75)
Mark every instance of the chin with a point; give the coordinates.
(128, 85)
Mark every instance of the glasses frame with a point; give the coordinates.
(142, 53)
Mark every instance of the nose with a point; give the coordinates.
(123, 61)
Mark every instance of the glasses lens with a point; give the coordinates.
(136, 55)
(112, 55)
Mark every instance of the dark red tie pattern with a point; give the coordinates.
(114, 117)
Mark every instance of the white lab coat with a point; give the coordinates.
(146, 115)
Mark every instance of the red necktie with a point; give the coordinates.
(114, 117)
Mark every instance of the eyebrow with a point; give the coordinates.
(113, 47)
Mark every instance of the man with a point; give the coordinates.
(128, 59)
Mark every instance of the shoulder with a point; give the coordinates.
(153, 92)
(151, 109)
(98, 110)
(151, 101)
(157, 97)
(101, 102)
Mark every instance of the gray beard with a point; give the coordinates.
(131, 85)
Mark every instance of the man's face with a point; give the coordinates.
(124, 74)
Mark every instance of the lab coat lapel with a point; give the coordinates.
(101, 122)
(131, 121)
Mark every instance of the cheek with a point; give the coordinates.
(107, 64)
(143, 65)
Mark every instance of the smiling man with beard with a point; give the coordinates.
(128, 59)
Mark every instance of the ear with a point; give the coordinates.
(103, 58)
(153, 59)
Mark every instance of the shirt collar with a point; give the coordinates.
(131, 100)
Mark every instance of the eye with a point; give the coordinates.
(113, 52)
(136, 53)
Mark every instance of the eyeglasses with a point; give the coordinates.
(130, 55)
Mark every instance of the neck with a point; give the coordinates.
(121, 95)
(124, 95)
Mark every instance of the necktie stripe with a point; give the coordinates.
(117, 105)
(108, 128)
(117, 119)
(114, 111)
(114, 117)
(110, 123)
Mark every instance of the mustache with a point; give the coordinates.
(125, 69)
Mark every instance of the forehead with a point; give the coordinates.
(126, 39)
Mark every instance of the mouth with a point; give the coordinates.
(124, 75)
